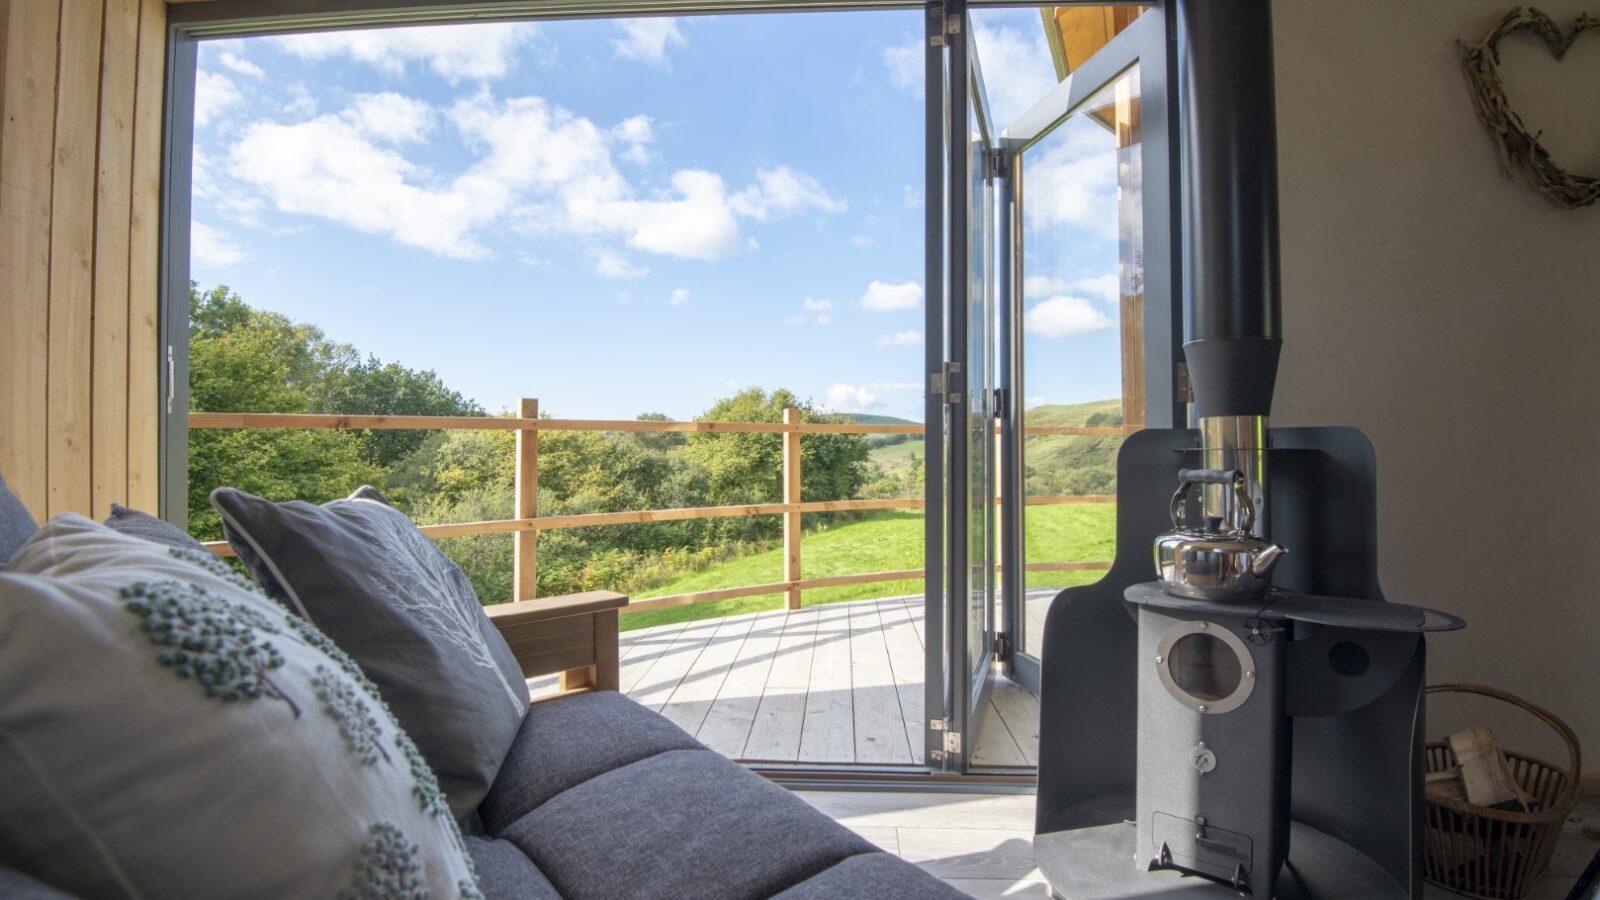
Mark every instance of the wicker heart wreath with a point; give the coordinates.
(1519, 149)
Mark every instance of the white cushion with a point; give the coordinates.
(167, 731)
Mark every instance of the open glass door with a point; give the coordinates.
(962, 543)
(1088, 181)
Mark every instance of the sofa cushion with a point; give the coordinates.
(187, 724)
(16, 886)
(16, 525)
(506, 873)
(143, 525)
(684, 823)
(877, 875)
(391, 599)
(569, 741)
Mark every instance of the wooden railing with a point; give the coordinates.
(526, 522)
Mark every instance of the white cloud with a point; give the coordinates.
(911, 197)
(908, 338)
(647, 40)
(1106, 287)
(850, 397)
(635, 134)
(1017, 69)
(680, 297)
(1034, 286)
(616, 266)
(536, 169)
(815, 305)
(239, 64)
(211, 248)
(478, 51)
(905, 64)
(816, 312)
(859, 397)
(883, 297)
(1064, 317)
(390, 117)
(823, 319)
(327, 168)
(861, 240)
(1072, 181)
(781, 191)
(213, 93)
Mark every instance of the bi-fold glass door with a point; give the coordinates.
(1043, 244)
(963, 395)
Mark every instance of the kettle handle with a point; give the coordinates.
(1187, 478)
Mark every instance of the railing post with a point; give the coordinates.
(525, 562)
(791, 494)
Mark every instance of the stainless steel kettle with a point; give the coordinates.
(1208, 561)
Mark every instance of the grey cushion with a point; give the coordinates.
(169, 732)
(148, 527)
(16, 525)
(368, 578)
(685, 823)
(506, 873)
(16, 886)
(567, 742)
(879, 876)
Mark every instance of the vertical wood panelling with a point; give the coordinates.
(144, 260)
(71, 365)
(113, 199)
(25, 169)
(82, 85)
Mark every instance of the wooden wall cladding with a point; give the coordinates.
(80, 176)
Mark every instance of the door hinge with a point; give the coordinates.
(1185, 387)
(947, 383)
(995, 164)
(1002, 647)
(950, 744)
(1000, 408)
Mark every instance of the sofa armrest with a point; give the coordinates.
(575, 635)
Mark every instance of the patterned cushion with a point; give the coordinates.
(167, 731)
(391, 599)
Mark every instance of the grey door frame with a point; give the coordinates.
(1148, 42)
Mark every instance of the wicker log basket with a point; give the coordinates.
(1492, 853)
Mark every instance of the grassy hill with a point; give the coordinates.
(882, 542)
(1057, 464)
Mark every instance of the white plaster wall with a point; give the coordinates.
(1454, 316)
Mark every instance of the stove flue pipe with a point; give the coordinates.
(1228, 125)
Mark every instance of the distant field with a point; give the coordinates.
(1042, 451)
(884, 542)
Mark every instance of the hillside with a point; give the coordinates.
(1056, 464)
(881, 543)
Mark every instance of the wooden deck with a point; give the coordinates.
(838, 683)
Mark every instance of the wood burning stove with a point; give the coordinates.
(1228, 722)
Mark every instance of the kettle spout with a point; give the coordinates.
(1266, 560)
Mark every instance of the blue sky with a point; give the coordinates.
(622, 216)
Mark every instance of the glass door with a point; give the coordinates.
(1088, 181)
(961, 648)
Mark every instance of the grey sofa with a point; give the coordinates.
(601, 798)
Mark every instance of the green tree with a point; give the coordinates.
(748, 467)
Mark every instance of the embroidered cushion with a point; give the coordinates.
(168, 731)
(363, 573)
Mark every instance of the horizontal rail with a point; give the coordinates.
(640, 517)
(251, 421)
(779, 587)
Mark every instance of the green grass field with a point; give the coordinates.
(883, 542)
